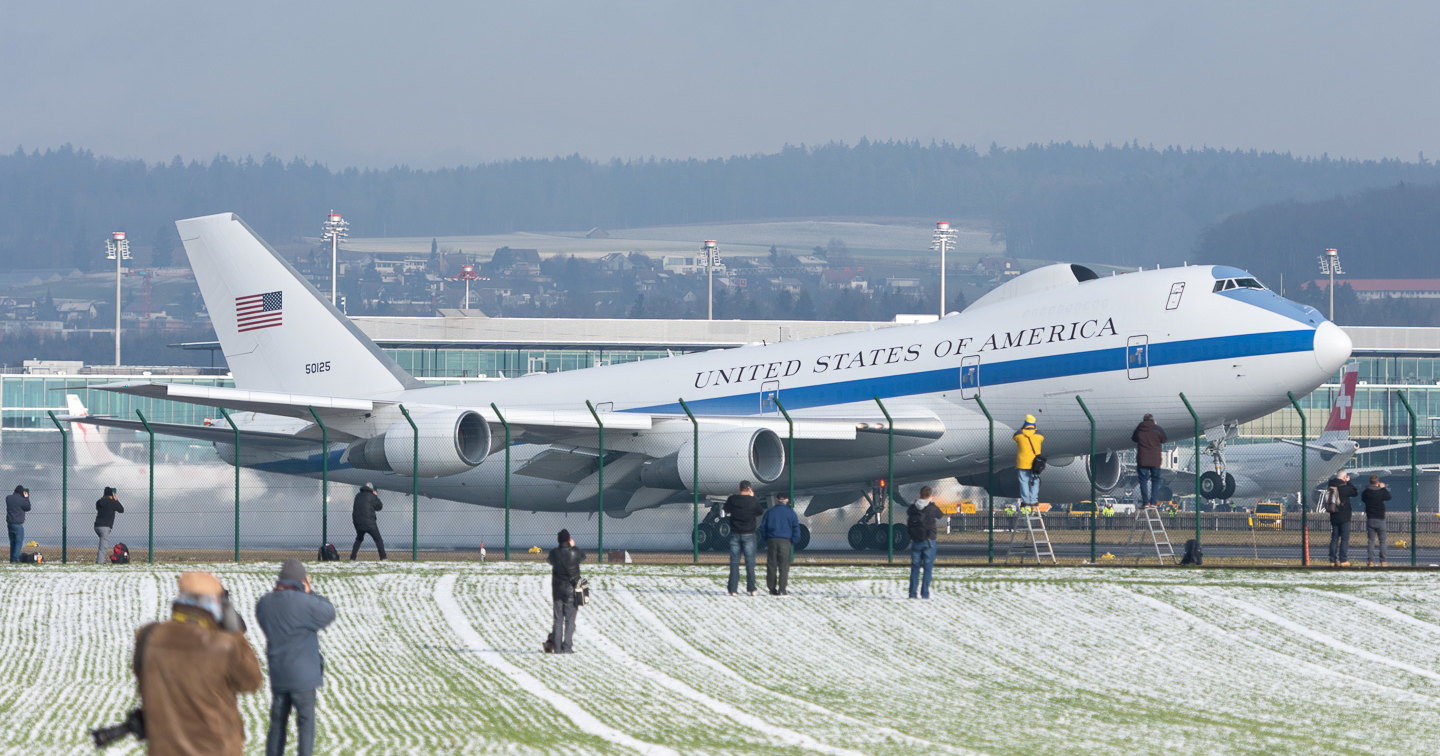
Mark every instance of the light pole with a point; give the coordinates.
(117, 248)
(335, 230)
(711, 250)
(1330, 263)
(943, 240)
(467, 274)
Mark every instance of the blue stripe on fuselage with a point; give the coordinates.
(1001, 373)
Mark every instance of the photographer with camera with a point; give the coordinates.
(189, 670)
(564, 562)
(292, 616)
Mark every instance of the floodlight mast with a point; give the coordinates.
(117, 248)
(467, 274)
(711, 250)
(336, 229)
(943, 240)
(1330, 263)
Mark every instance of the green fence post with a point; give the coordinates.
(414, 488)
(226, 414)
(789, 448)
(600, 484)
(64, 488)
(694, 484)
(1196, 418)
(889, 478)
(1414, 491)
(507, 478)
(1304, 485)
(324, 477)
(1090, 473)
(989, 483)
(151, 528)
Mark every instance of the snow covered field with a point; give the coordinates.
(438, 658)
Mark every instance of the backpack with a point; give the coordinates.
(915, 523)
(31, 557)
(1331, 500)
(582, 590)
(1193, 554)
(328, 553)
(120, 554)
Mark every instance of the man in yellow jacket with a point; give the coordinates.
(1028, 446)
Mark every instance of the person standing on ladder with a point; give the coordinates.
(1148, 438)
(1028, 447)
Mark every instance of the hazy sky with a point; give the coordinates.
(441, 83)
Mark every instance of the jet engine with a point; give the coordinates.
(450, 443)
(1065, 482)
(726, 458)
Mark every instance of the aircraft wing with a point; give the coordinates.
(266, 402)
(1388, 447)
(211, 433)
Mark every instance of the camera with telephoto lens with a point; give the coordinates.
(134, 724)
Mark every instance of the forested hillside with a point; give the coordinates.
(1126, 204)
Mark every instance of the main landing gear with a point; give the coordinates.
(714, 531)
(871, 534)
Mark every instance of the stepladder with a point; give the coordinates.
(1147, 533)
(1030, 539)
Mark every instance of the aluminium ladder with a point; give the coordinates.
(1033, 539)
(1148, 524)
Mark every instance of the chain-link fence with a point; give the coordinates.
(655, 496)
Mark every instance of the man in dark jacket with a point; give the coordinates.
(292, 616)
(16, 505)
(745, 512)
(564, 562)
(1148, 438)
(781, 530)
(920, 519)
(363, 516)
(190, 669)
(1340, 520)
(105, 509)
(1375, 495)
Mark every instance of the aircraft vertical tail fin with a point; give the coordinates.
(1338, 426)
(90, 443)
(277, 332)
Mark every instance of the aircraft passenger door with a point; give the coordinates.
(1137, 357)
(769, 391)
(969, 376)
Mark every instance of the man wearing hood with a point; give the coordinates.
(16, 505)
(190, 669)
(1028, 445)
(1148, 438)
(292, 616)
(1375, 495)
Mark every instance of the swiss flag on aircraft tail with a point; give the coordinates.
(1344, 403)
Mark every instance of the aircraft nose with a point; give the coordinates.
(1332, 347)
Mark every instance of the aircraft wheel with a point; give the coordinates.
(900, 536)
(1229, 486)
(804, 538)
(858, 537)
(705, 537)
(879, 537)
(1211, 486)
(1166, 493)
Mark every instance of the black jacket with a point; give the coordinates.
(105, 510)
(366, 505)
(564, 571)
(1347, 491)
(1375, 498)
(745, 513)
(920, 521)
(16, 505)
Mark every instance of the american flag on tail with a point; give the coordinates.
(256, 311)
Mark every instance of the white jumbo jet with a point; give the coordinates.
(1126, 344)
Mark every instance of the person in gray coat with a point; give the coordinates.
(291, 616)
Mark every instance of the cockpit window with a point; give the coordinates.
(1237, 283)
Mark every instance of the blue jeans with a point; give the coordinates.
(1149, 482)
(742, 542)
(281, 701)
(1029, 488)
(1340, 541)
(922, 556)
(17, 539)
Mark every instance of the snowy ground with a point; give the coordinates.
(444, 658)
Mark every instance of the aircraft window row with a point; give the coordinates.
(1238, 283)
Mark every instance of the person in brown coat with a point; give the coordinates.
(1148, 438)
(190, 669)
